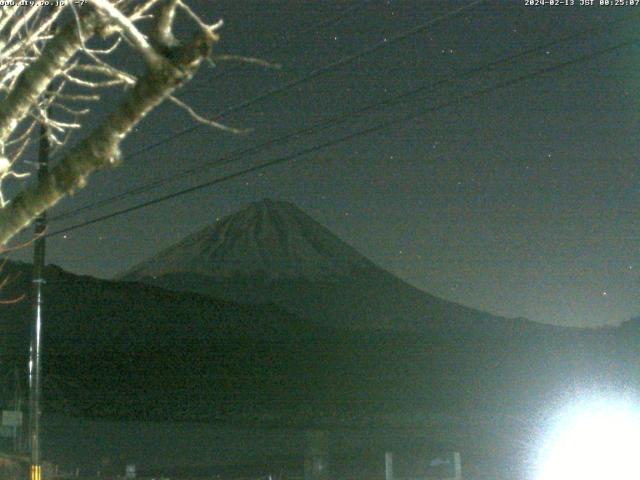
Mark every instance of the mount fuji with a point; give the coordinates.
(330, 339)
(273, 252)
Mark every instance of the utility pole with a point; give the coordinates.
(35, 353)
(18, 445)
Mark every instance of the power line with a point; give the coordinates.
(332, 121)
(275, 47)
(366, 131)
(336, 19)
(311, 75)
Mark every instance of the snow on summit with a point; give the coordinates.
(269, 239)
(273, 252)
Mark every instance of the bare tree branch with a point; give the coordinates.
(130, 31)
(243, 59)
(34, 80)
(51, 77)
(100, 149)
(164, 25)
(198, 118)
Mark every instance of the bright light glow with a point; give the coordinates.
(593, 442)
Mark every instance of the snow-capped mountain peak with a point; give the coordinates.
(273, 240)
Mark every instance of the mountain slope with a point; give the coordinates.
(138, 351)
(124, 350)
(128, 350)
(272, 252)
(266, 240)
(83, 313)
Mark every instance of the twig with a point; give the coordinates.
(202, 119)
(254, 60)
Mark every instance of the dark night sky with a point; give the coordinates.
(521, 202)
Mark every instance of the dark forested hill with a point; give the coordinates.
(127, 350)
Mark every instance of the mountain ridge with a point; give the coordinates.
(273, 252)
(270, 239)
(130, 351)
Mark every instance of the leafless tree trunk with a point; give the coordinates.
(44, 70)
